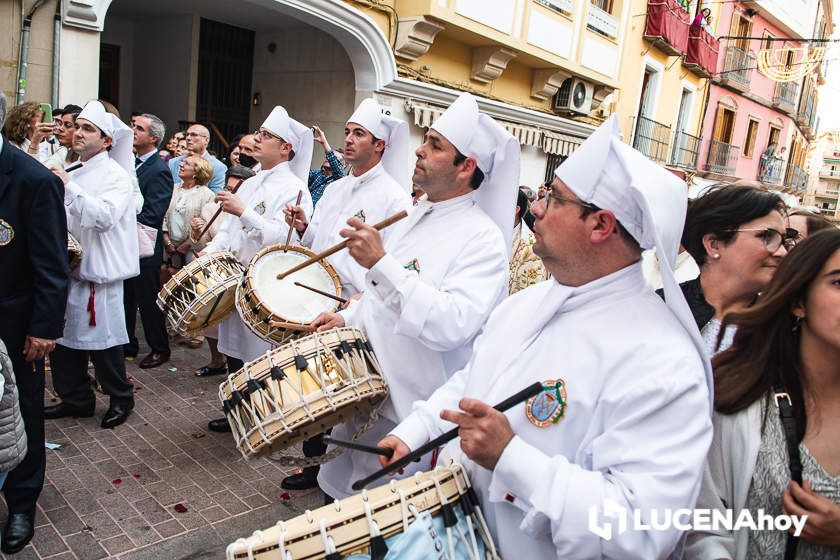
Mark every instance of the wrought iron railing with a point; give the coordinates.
(786, 95)
(770, 170)
(685, 150)
(723, 157)
(652, 138)
(738, 66)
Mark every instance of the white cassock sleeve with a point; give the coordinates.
(446, 317)
(268, 229)
(103, 211)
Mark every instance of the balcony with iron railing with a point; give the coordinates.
(723, 157)
(798, 179)
(685, 151)
(785, 96)
(652, 138)
(702, 54)
(738, 68)
(771, 170)
(830, 173)
(667, 26)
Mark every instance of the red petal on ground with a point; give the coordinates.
(135, 475)
(117, 481)
(180, 508)
(285, 496)
(130, 377)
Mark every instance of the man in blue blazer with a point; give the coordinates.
(156, 185)
(33, 294)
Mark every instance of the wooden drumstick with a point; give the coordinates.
(292, 225)
(321, 292)
(216, 215)
(338, 247)
(523, 395)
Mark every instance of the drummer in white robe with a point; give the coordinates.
(625, 411)
(257, 213)
(101, 214)
(430, 289)
(376, 145)
(283, 147)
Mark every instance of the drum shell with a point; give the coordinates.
(268, 323)
(268, 415)
(201, 295)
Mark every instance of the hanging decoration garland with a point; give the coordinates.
(775, 64)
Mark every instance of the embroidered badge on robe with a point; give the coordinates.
(549, 407)
(414, 265)
(360, 214)
(7, 233)
(260, 208)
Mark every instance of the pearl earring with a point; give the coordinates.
(716, 256)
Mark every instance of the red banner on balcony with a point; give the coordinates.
(669, 22)
(702, 49)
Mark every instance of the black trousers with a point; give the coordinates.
(234, 364)
(71, 382)
(141, 291)
(24, 482)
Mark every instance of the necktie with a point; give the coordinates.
(137, 162)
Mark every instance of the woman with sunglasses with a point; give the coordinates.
(776, 422)
(737, 235)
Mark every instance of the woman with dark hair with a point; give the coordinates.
(737, 235)
(785, 357)
(232, 156)
(807, 223)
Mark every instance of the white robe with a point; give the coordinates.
(636, 427)
(422, 323)
(260, 225)
(101, 215)
(373, 197)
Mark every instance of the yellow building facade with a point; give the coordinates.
(661, 97)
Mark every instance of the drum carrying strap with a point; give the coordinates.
(785, 406)
(212, 309)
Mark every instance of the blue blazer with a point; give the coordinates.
(156, 184)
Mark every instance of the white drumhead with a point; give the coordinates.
(282, 297)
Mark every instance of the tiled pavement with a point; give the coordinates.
(160, 486)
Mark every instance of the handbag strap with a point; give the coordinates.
(785, 406)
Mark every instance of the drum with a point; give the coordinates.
(74, 252)
(301, 389)
(277, 310)
(201, 294)
(380, 521)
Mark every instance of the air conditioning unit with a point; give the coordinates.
(574, 96)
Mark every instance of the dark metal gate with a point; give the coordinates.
(225, 67)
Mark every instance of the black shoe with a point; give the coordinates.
(219, 425)
(62, 410)
(19, 529)
(306, 479)
(153, 360)
(117, 414)
(210, 371)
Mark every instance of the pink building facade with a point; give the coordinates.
(755, 128)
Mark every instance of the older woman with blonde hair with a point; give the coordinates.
(188, 198)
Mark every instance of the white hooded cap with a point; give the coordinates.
(122, 137)
(647, 199)
(395, 134)
(299, 136)
(496, 151)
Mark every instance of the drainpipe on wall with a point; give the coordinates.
(56, 51)
(24, 49)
